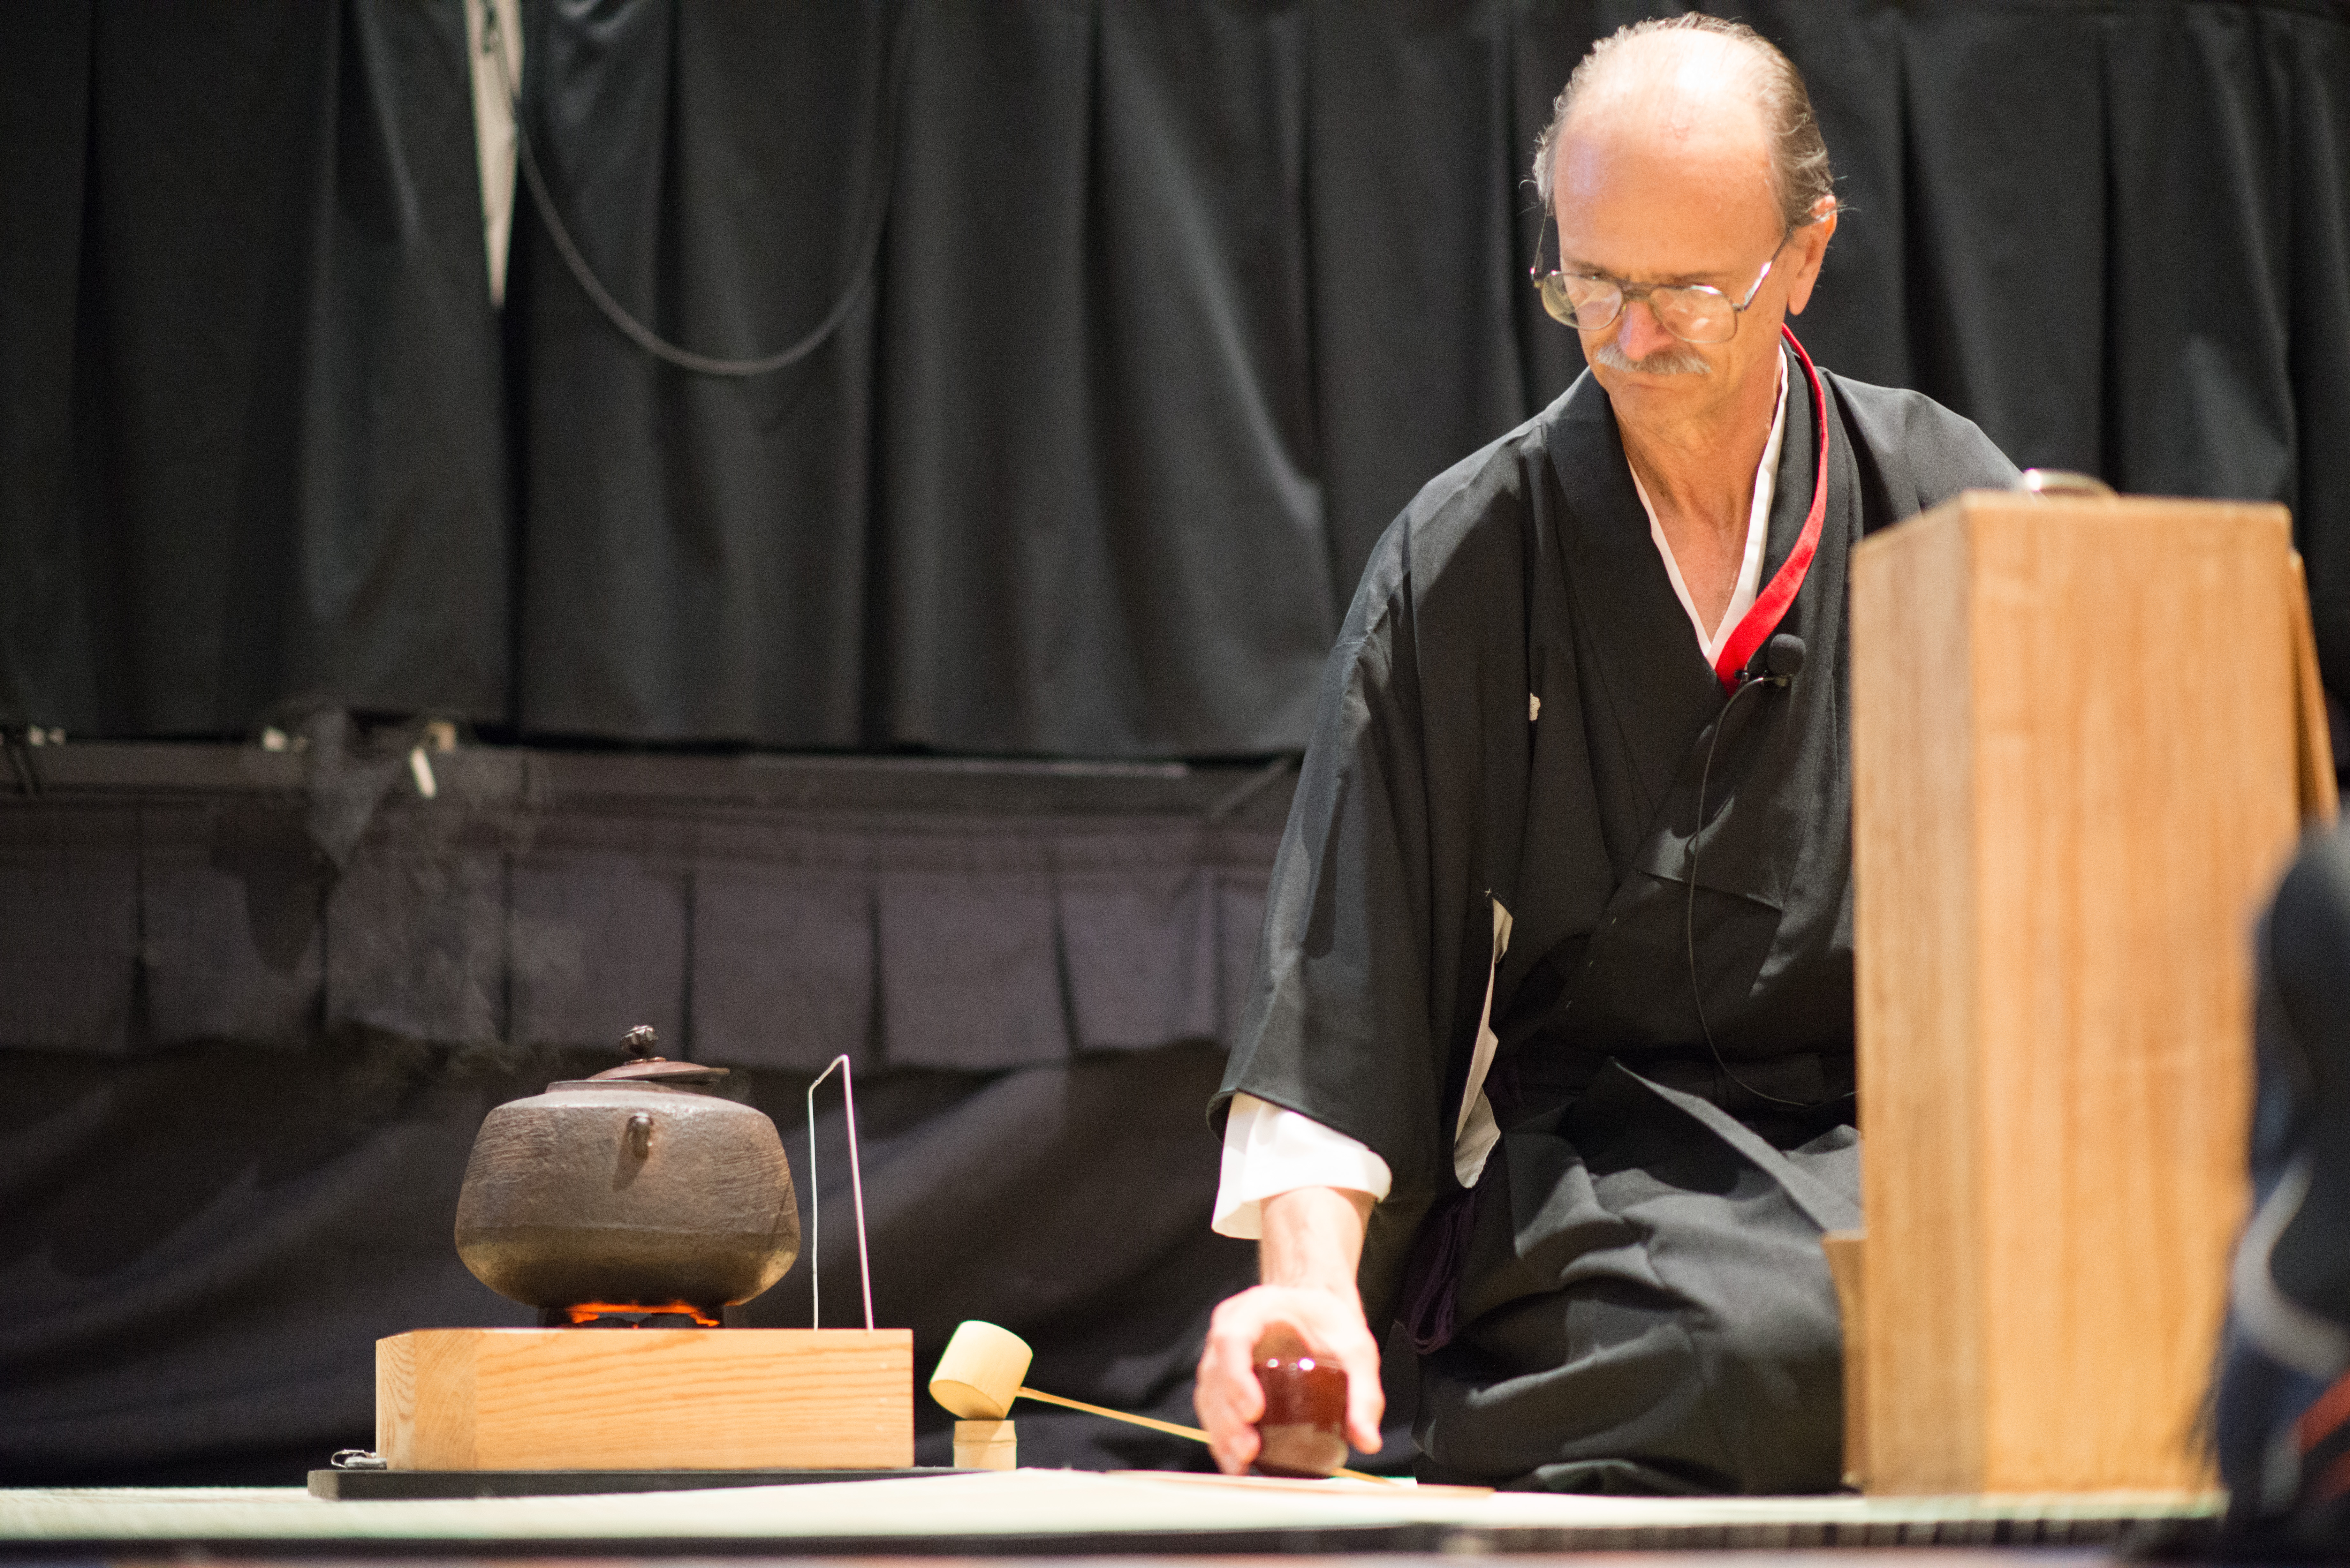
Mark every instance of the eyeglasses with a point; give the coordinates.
(1692, 312)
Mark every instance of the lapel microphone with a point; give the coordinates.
(1782, 661)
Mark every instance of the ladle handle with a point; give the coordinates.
(1152, 1422)
(1156, 1424)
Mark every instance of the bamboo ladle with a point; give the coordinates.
(980, 1375)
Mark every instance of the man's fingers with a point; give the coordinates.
(1223, 1411)
(1227, 1376)
(1331, 1333)
(1237, 1451)
(1367, 1402)
(1226, 1394)
(1275, 1320)
(1339, 1337)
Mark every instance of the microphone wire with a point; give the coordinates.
(1689, 906)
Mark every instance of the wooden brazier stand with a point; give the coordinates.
(641, 1194)
(645, 1399)
(2085, 732)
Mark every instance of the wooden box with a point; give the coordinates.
(2077, 759)
(645, 1399)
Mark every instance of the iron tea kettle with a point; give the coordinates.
(640, 1187)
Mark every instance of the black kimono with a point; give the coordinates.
(1493, 828)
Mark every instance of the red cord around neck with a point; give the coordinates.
(1772, 604)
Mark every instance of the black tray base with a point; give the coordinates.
(388, 1486)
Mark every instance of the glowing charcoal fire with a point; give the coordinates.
(635, 1314)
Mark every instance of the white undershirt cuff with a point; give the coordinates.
(1269, 1150)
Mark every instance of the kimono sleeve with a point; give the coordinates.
(1338, 1025)
(1915, 453)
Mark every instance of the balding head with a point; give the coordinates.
(1682, 157)
(1705, 89)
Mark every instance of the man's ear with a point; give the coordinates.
(1811, 243)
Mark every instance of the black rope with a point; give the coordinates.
(886, 159)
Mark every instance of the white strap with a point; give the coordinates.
(1475, 1134)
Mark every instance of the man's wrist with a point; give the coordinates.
(1314, 1240)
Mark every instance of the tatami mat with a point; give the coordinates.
(1058, 1511)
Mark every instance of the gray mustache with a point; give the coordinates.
(1663, 362)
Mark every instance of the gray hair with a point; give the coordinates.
(1800, 173)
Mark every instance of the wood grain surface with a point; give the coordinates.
(2077, 773)
(2320, 796)
(1915, 896)
(1847, 1253)
(986, 1446)
(532, 1398)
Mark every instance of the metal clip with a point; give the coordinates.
(2063, 482)
(856, 1191)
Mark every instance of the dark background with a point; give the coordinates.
(1174, 306)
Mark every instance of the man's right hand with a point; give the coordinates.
(1312, 1238)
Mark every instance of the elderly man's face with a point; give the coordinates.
(1665, 186)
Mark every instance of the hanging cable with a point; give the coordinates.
(494, 42)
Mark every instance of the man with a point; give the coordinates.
(1526, 1063)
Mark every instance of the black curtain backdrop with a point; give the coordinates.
(250, 438)
(1175, 308)
(257, 1006)
(201, 1248)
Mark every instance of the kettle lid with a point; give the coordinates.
(644, 1065)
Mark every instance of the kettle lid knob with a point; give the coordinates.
(643, 1067)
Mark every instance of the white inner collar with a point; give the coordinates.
(1758, 531)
